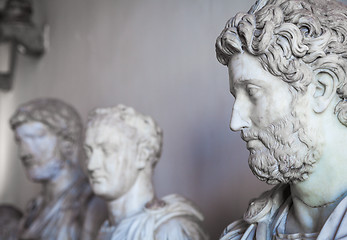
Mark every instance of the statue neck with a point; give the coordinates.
(328, 180)
(133, 201)
(307, 219)
(315, 198)
(66, 177)
(322, 187)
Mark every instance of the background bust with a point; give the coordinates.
(287, 64)
(122, 148)
(48, 134)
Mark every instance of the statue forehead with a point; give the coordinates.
(100, 134)
(245, 67)
(33, 127)
(241, 63)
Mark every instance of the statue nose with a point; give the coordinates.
(239, 120)
(93, 162)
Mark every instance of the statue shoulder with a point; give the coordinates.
(180, 220)
(266, 204)
(235, 230)
(180, 206)
(259, 209)
(181, 228)
(172, 218)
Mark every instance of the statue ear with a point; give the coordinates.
(325, 89)
(143, 155)
(69, 150)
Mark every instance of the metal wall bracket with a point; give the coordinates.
(17, 34)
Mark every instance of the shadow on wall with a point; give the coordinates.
(220, 159)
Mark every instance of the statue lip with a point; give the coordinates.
(252, 141)
(27, 161)
(254, 144)
(96, 177)
(245, 137)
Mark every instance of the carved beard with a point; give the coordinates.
(289, 154)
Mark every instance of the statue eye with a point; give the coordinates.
(106, 150)
(252, 90)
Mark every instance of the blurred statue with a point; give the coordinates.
(48, 133)
(287, 62)
(16, 23)
(122, 148)
(10, 217)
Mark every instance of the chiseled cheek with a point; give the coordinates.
(283, 151)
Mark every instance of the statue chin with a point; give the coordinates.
(102, 191)
(35, 174)
(43, 173)
(285, 159)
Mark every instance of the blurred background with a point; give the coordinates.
(157, 56)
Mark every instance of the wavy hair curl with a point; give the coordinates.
(292, 39)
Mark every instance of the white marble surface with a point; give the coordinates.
(122, 148)
(287, 72)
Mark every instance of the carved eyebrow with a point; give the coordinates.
(107, 145)
(247, 80)
(33, 135)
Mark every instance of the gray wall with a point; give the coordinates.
(157, 56)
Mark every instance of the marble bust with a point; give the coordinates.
(48, 133)
(287, 62)
(122, 148)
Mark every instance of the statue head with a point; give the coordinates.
(287, 62)
(48, 134)
(120, 143)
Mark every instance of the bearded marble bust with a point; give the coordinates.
(287, 62)
(122, 148)
(48, 134)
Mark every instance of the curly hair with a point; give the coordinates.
(142, 128)
(292, 39)
(61, 118)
